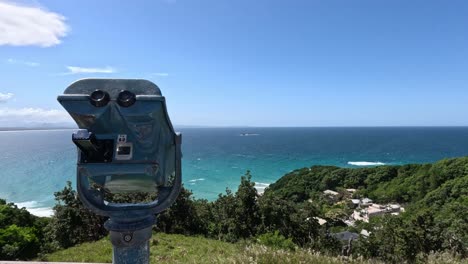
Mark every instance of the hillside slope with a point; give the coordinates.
(404, 184)
(193, 249)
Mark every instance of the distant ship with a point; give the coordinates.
(248, 134)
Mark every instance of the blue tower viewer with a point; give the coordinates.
(126, 145)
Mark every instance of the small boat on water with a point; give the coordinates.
(248, 134)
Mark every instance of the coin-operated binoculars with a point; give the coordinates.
(126, 145)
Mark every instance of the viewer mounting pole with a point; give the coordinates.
(129, 248)
(131, 255)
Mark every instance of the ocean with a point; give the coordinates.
(35, 164)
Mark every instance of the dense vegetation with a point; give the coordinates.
(21, 234)
(404, 184)
(435, 197)
(284, 218)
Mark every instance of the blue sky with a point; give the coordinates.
(245, 63)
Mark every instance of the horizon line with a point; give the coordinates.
(24, 128)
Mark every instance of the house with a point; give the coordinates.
(360, 216)
(321, 221)
(349, 222)
(394, 208)
(365, 233)
(375, 211)
(378, 206)
(331, 193)
(351, 191)
(366, 202)
(355, 202)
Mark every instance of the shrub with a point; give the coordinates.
(276, 240)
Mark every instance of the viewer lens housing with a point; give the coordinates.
(126, 98)
(99, 98)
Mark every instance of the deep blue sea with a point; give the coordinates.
(35, 164)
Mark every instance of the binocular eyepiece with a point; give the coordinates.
(101, 98)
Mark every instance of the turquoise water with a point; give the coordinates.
(35, 164)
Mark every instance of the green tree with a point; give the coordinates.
(236, 216)
(21, 233)
(72, 223)
(18, 243)
(10, 214)
(224, 223)
(183, 216)
(292, 220)
(247, 214)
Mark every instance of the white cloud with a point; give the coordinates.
(78, 70)
(22, 25)
(27, 63)
(5, 97)
(33, 116)
(161, 74)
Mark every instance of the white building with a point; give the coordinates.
(365, 233)
(355, 202)
(366, 201)
(330, 192)
(321, 221)
(360, 215)
(374, 209)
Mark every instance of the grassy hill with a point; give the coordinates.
(167, 248)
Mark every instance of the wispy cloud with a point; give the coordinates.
(30, 116)
(27, 63)
(22, 25)
(79, 70)
(5, 97)
(160, 74)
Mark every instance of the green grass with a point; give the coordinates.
(99, 251)
(193, 249)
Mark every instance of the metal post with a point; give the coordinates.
(127, 255)
(131, 247)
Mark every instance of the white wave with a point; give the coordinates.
(366, 163)
(28, 204)
(260, 186)
(195, 180)
(244, 156)
(41, 211)
(34, 208)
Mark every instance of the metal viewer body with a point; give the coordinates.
(126, 145)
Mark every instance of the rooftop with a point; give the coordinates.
(330, 192)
